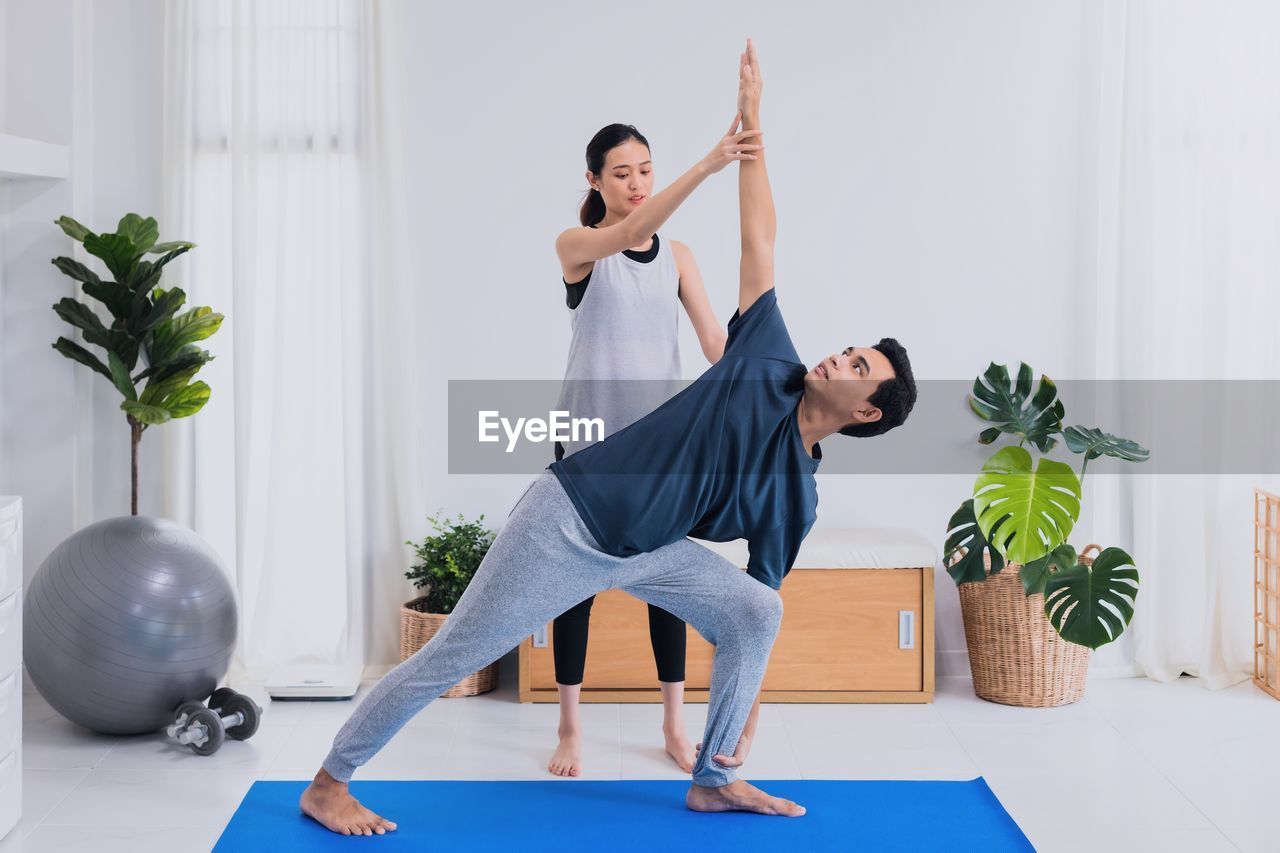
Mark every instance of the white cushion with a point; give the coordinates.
(848, 548)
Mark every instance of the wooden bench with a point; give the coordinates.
(857, 626)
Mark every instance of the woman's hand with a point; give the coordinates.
(734, 147)
(739, 756)
(749, 82)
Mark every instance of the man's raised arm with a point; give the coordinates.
(755, 201)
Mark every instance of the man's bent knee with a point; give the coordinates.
(763, 610)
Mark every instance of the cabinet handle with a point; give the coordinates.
(906, 629)
(540, 638)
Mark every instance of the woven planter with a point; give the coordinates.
(417, 627)
(1016, 656)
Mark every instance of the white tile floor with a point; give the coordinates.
(1136, 765)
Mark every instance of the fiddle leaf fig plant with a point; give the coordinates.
(1023, 509)
(145, 328)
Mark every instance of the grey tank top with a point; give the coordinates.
(625, 329)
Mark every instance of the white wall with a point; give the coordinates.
(924, 163)
(123, 145)
(37, 400)
(86, 75)
(924, 159)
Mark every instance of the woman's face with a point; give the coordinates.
(627, 178)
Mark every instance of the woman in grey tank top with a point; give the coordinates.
(624, 285)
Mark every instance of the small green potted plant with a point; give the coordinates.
(446, 563)
(1030, 632)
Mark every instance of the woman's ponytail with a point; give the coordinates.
(592, 209)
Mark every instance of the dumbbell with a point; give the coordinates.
(229, 714)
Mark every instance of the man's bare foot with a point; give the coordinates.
(329, 803)
(567, 760)
(679, 748)
(739, 796)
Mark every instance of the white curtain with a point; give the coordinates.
(1180, 271)
(281, 160)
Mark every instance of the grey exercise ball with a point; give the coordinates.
(125, 620)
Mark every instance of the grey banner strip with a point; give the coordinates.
(1190, 427)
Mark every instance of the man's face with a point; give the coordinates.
(843, 382)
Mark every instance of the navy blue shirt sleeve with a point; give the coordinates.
(773, 552)
(760, 332)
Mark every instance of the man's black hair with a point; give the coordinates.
(894, 398)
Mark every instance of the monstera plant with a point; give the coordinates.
(145, 330)
(1023, 509)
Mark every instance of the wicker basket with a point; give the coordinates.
(1016, 656)
(417, 627)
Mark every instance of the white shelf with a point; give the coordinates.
(22, 158)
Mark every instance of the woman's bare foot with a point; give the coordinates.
(329, 803)
(739, 796)
(567, 760)
(679, 748)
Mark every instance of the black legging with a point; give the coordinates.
(570, 629)
(569, 641)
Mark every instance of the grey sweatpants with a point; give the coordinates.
(543, 562)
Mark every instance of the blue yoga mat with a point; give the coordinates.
(645, 816)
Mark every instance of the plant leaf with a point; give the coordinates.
(187, 401)
(1025, 513)
(168, 302)
(1035, 574)
(988, 435)
(186, 357)
(76, 270)
(1080, 600)
(73, 229)
(160, 248)
(117, 252)
(1094, 443)
(142, 233)
(75, 352)
(183, 329)
(149, 415)
(147, 273)
(1014, 409)
(195, 325)
(120, 377)
(114, 295)
(963, 532)
(158, 389)
(79, 315)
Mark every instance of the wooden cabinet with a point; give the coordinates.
(848, 635)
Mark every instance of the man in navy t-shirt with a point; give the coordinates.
(732, 456)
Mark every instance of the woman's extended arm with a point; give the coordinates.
(581, 245)
(711, 335)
